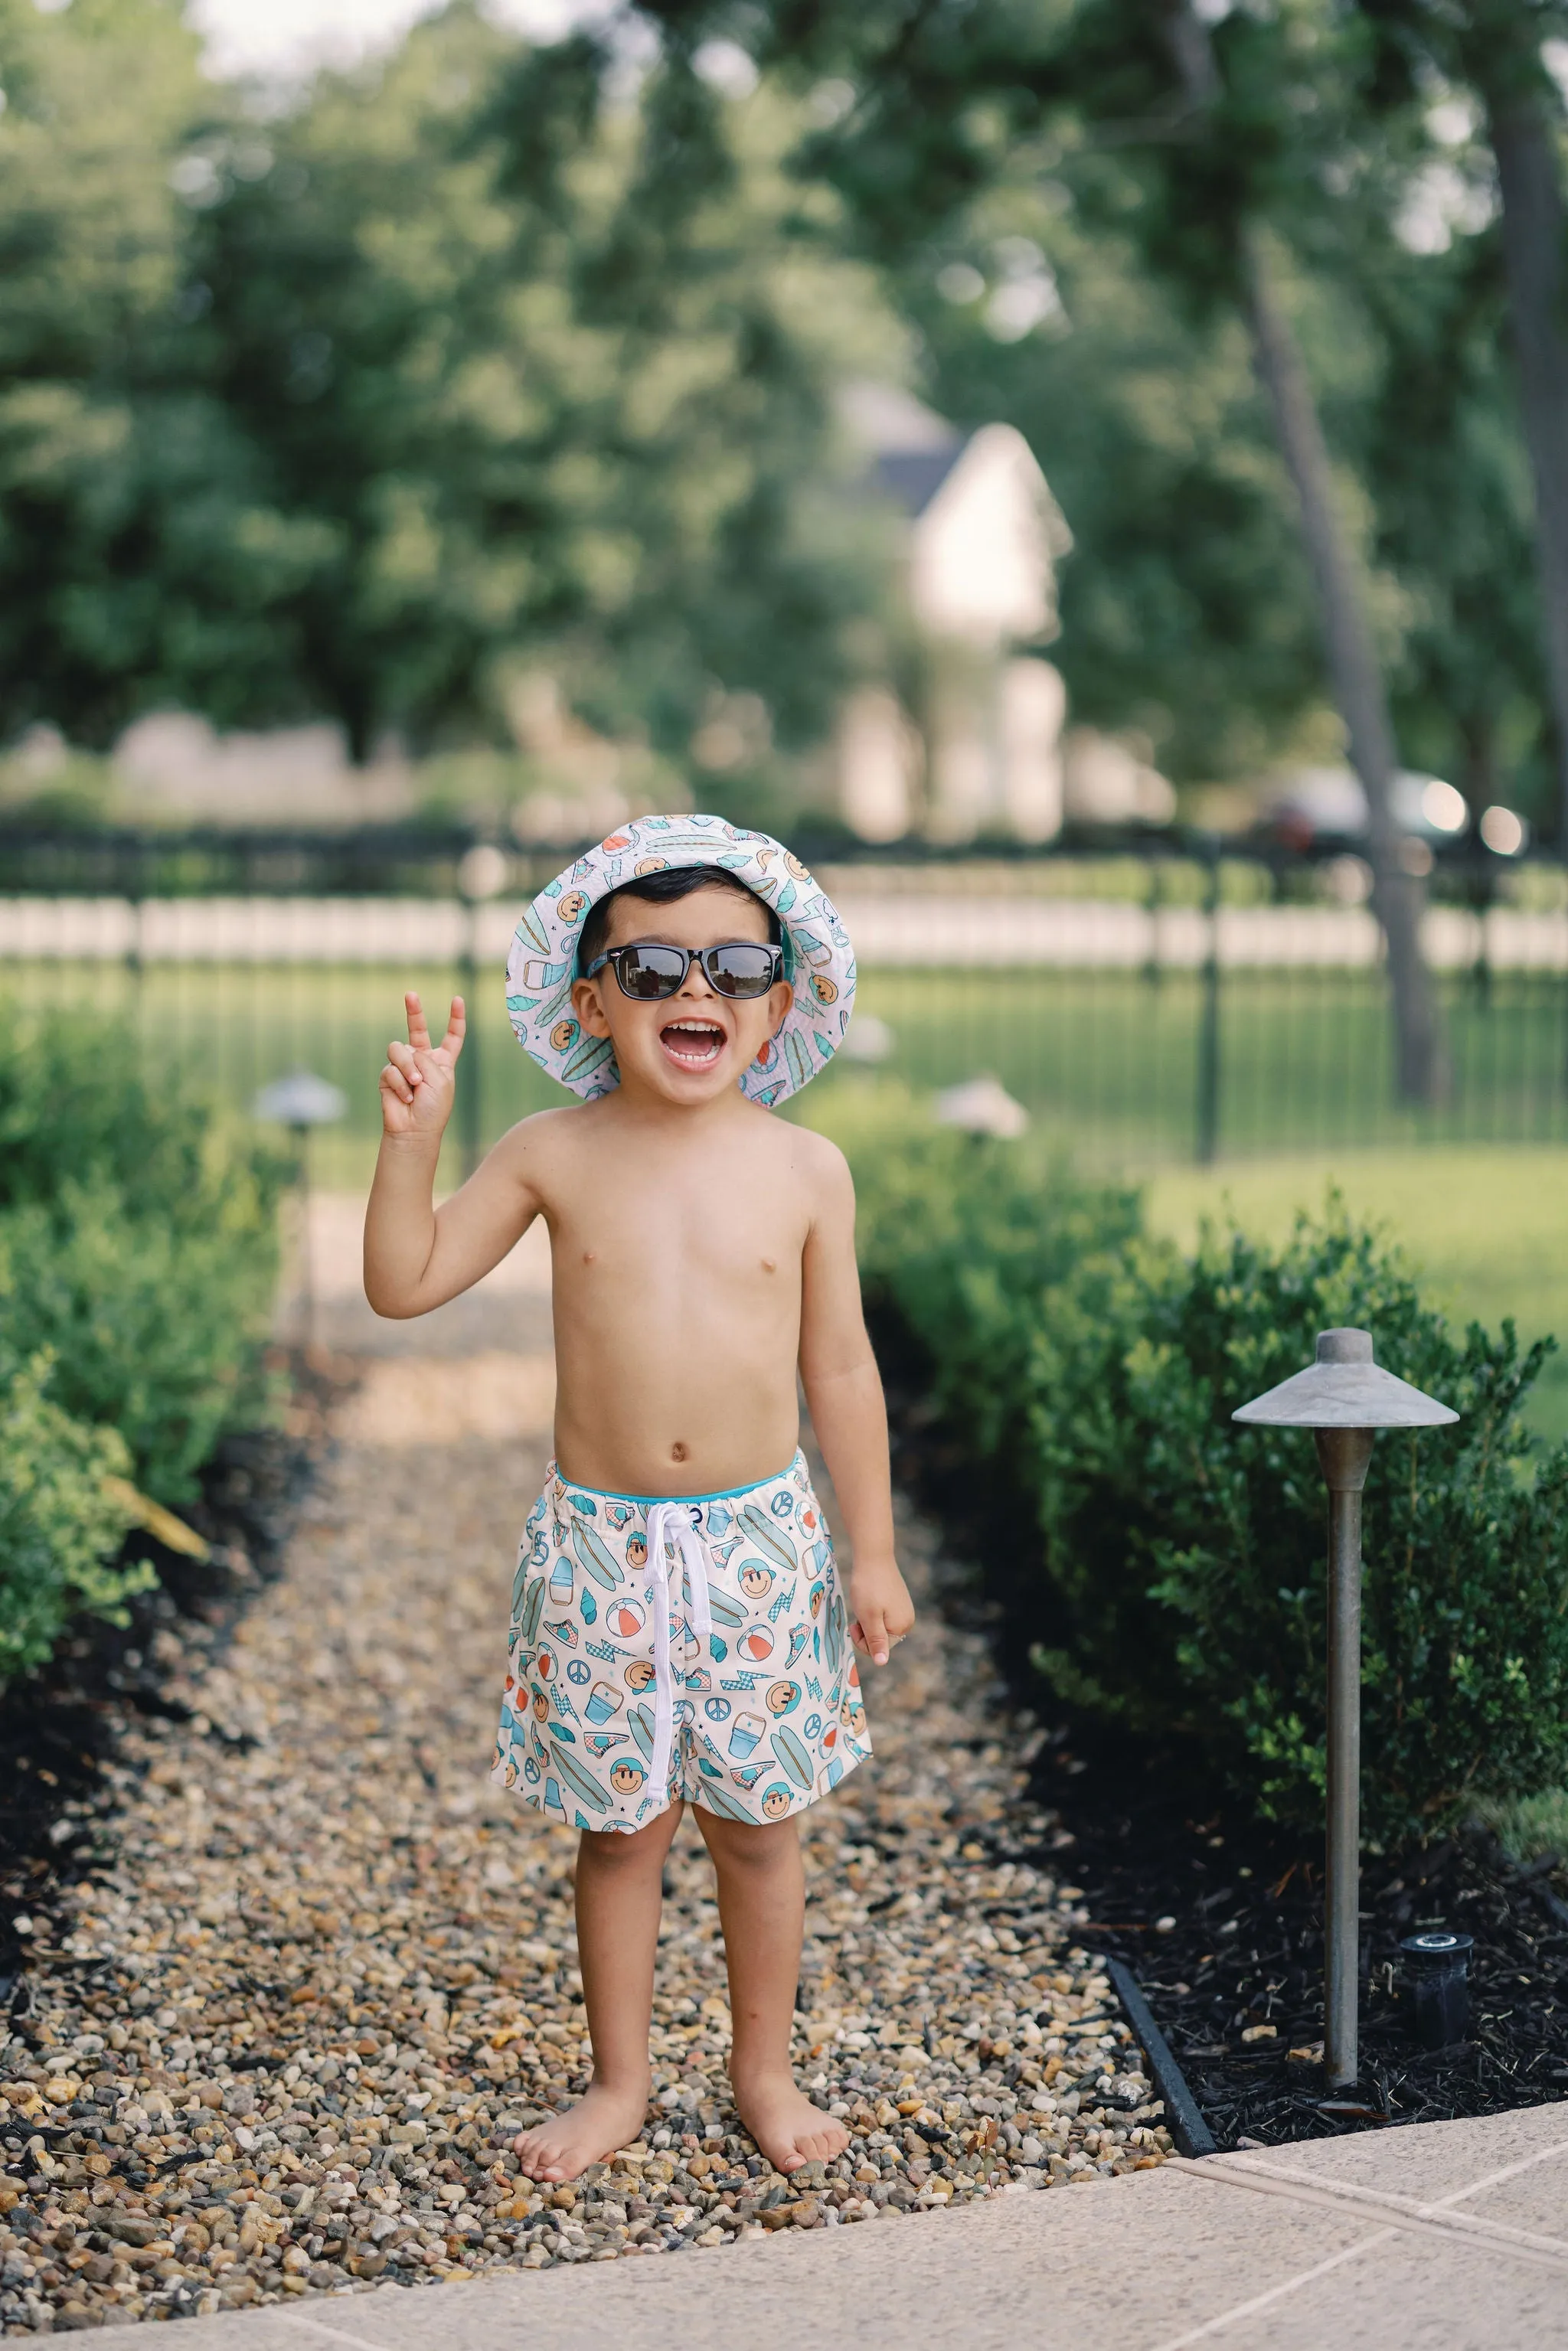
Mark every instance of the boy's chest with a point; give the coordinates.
(728, 1226)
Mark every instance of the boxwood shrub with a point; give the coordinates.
(1167, 1568)
(136, 1266)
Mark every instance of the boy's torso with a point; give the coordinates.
(677, 1258)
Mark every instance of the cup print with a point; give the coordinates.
(603, 1703)
(749, 1728)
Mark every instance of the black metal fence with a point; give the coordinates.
(1143, 1005)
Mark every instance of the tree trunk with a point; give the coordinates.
(1421, 1060)
(1533, 242)
(1354, 674)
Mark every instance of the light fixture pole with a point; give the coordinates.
(1344, 1398)
(299, 1101)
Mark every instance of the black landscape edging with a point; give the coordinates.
(1186, 2124)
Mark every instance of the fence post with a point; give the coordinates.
(1208, 1105)
(470, 1102)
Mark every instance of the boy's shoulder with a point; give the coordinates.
(814, 1159)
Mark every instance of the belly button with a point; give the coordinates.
(678, 1451)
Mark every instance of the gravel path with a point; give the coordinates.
(281, 2035)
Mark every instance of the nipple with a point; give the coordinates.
(769, 1266)
(588, 1257)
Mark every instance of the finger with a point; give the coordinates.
(418, 1028)
(872, 1629)
(393, 1082)
(401, 1057)
(457, 1028)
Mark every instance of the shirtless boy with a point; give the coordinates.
(678, 1630)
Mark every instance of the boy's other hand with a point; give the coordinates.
(882, 1610)
(417, 1081)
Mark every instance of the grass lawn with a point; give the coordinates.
(1486, 1227)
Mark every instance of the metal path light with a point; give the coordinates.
(1344, 1398)
(301, 1102)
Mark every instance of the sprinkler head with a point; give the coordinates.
(1438, 1986)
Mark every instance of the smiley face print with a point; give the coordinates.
(757, 1581)
(563, 1034)
(574, 903)
(783, 1697)
(776, 1801)
(641, 1674)
(637, 1551)
(626, 1778)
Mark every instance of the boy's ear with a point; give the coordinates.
(589, 1010)
(781, 996)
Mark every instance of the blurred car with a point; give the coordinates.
(1325, 808)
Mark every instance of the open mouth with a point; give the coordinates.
(696, 1044)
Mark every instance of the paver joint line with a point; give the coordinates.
(1418, 2208)
(1413, 2219)
(319, 2326)
(1275, 2292)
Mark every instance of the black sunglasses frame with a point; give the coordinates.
(688, 957)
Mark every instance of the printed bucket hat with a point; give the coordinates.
(818, 960)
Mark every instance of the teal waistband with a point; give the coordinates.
(725, 1494)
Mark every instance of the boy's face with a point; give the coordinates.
(694, 1046)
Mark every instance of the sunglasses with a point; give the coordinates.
(649, 973)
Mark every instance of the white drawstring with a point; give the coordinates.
(669, 1524)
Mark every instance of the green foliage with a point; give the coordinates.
(1174, 1579)
(57, 1525)
(137, 1245)
(458, 366)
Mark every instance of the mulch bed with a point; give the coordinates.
(1222, 1921)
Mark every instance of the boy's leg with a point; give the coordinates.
(762, 1907)
(619, 1885)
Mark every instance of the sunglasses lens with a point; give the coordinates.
(649, 973)
(741, 969)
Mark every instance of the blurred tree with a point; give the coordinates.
(1227, 128)
(1428, 49)
(473, 362)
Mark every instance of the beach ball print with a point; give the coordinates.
(757, 1644)
(625, 1620)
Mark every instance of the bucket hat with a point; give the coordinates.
(819, 962)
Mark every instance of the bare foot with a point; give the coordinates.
(590, 2131)
(788, 2128)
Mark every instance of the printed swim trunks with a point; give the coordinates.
(695, 1649)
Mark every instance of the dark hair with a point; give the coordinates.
(662, 889)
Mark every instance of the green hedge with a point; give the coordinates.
(1167, 1570)
(138, 1257)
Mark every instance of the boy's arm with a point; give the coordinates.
(417, 1257)
(844, 1392)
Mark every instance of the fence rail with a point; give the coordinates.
(1134, 1029)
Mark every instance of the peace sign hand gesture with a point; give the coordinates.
(417, 1081)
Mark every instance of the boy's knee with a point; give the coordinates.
(749, 1844)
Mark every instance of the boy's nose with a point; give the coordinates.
(696, 982)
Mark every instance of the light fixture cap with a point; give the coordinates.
(301, 1099)
(1345, 1389)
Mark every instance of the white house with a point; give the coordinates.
(984, 536)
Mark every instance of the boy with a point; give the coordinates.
(678, 1633)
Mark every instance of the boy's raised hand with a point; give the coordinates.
(417, 1081)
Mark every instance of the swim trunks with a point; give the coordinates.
(693, 1649)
